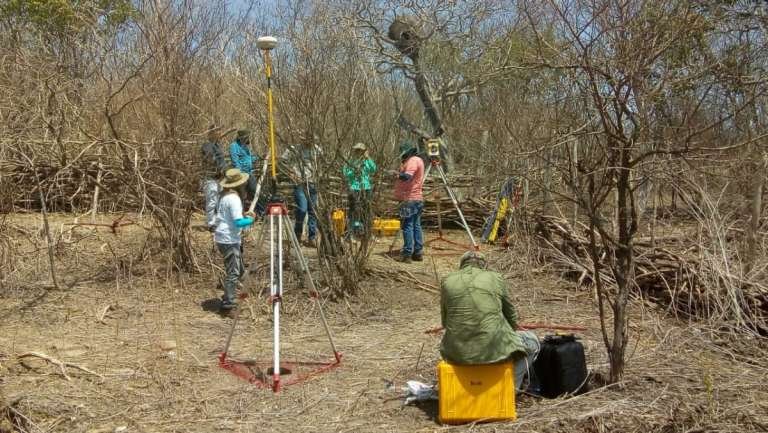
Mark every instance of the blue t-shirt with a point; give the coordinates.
(242, 157)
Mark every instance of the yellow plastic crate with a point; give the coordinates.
(385, 227)
(339, 219)
(470, 393)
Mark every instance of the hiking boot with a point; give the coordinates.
(417, 257)
(405, 259)
(228, 306)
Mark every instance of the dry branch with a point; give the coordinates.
(61, 364)
(103, 313)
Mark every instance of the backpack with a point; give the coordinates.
(561, 366)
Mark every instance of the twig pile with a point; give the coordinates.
(476, 204)
(688, 285)
(475, 209)
(66, 188)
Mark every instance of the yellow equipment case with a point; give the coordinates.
(385, 227)
(470, 393)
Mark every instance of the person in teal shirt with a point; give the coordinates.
(358, 172)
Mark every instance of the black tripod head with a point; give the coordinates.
(274, 194)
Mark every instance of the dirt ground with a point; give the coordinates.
(150, 340)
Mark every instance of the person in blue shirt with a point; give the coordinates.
(229, 223)
(243, 159)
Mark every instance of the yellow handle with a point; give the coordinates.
(270, 116)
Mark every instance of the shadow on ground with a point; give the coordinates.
(213, 305)
(430, 409)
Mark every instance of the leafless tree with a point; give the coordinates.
(621, 61)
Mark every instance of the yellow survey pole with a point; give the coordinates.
(270, 115)
(266, 44)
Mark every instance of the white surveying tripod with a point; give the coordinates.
(279, 224)
(433, 152)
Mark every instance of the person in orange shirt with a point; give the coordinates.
(408, 191)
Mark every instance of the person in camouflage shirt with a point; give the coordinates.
(213, 166)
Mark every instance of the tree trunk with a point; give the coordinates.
(425, 95)
(95, 203)
(624, 266)
(47, 228)
(575, 180)
(755, 211)
(548, 183)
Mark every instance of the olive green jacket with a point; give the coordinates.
(478, 318)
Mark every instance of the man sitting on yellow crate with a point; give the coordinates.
(480, 322)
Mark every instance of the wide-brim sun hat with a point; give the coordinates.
(233, 178)
(359, 146)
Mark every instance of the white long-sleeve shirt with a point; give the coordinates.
(229, 210)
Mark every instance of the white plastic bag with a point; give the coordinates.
(417, 391)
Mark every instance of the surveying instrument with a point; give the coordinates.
(279, 224)
(433, 153)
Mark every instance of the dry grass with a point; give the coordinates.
(680, 377)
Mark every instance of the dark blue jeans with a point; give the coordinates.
(410, 223)
(304, 207)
